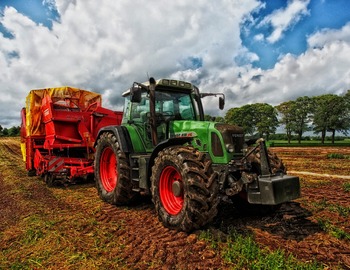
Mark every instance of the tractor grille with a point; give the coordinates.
(232, 135)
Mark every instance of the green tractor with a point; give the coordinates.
(165, 149)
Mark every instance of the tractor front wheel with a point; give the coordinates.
(184, 188)
(112, 171)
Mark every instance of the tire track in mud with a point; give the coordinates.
(8, 198)
(10, 153)
(147, 243)
(20, 196)
(13, 150)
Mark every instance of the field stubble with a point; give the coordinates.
(71, 228)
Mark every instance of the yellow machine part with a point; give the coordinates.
(34, 124)
(23, 150)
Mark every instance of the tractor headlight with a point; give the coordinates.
(230, 148)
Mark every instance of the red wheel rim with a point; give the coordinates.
(108, 172)
(171, 203)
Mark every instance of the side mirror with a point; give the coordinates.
(221, 103)
(135, 94)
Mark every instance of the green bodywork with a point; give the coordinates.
(200, 132)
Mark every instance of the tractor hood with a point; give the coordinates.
(222, 141)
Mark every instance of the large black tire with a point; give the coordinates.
(112, 171)
(184, 188)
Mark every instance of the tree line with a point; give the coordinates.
(10, 132)
(319, 114)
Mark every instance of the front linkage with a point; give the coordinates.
(261, 177)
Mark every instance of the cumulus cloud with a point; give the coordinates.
(325, 36)
(282, 19)
(317, 71)
(322, 68)
(106, 47)
(51, 4)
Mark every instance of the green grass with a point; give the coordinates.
(337, 156)
(209, 238)
(346, 187)
(244, 253)
(336, 208)
(333, 230)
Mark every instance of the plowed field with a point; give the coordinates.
(69, 227)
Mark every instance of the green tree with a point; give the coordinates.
(208, 117)
(5, 132)
(331, 113)
(243, 116)
(303, 111)
(265, 119)
(253, 118)
(287, 111)
(340, 118)
(220, 119)
(14, 131)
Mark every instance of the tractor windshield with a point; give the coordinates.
(169, 105)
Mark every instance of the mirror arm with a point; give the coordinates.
(221, 98)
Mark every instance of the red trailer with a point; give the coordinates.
(58, 132)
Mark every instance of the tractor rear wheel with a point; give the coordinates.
(184, 188)
(112, 171)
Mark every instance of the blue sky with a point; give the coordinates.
(320, 14)
(40, 11)
(253, 51)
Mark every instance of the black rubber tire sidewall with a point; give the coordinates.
(122, 193)
(200, 188)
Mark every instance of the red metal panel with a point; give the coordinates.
(66, 148)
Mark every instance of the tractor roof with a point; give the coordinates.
(181, 85)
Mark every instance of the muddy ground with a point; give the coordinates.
(68, 227)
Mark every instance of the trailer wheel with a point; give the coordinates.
(184, 188)
(49, 179)
(112, 171)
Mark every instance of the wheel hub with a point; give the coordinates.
(177, 188)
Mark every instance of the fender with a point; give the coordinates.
(161, 146)
(122, 135)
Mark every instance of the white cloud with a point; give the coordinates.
(50, 4)
(106, 47)
(259, 37)
(319, 70)
(325, 36)
(315, 72)
(283, 19)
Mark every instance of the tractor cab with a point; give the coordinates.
(152, 108)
